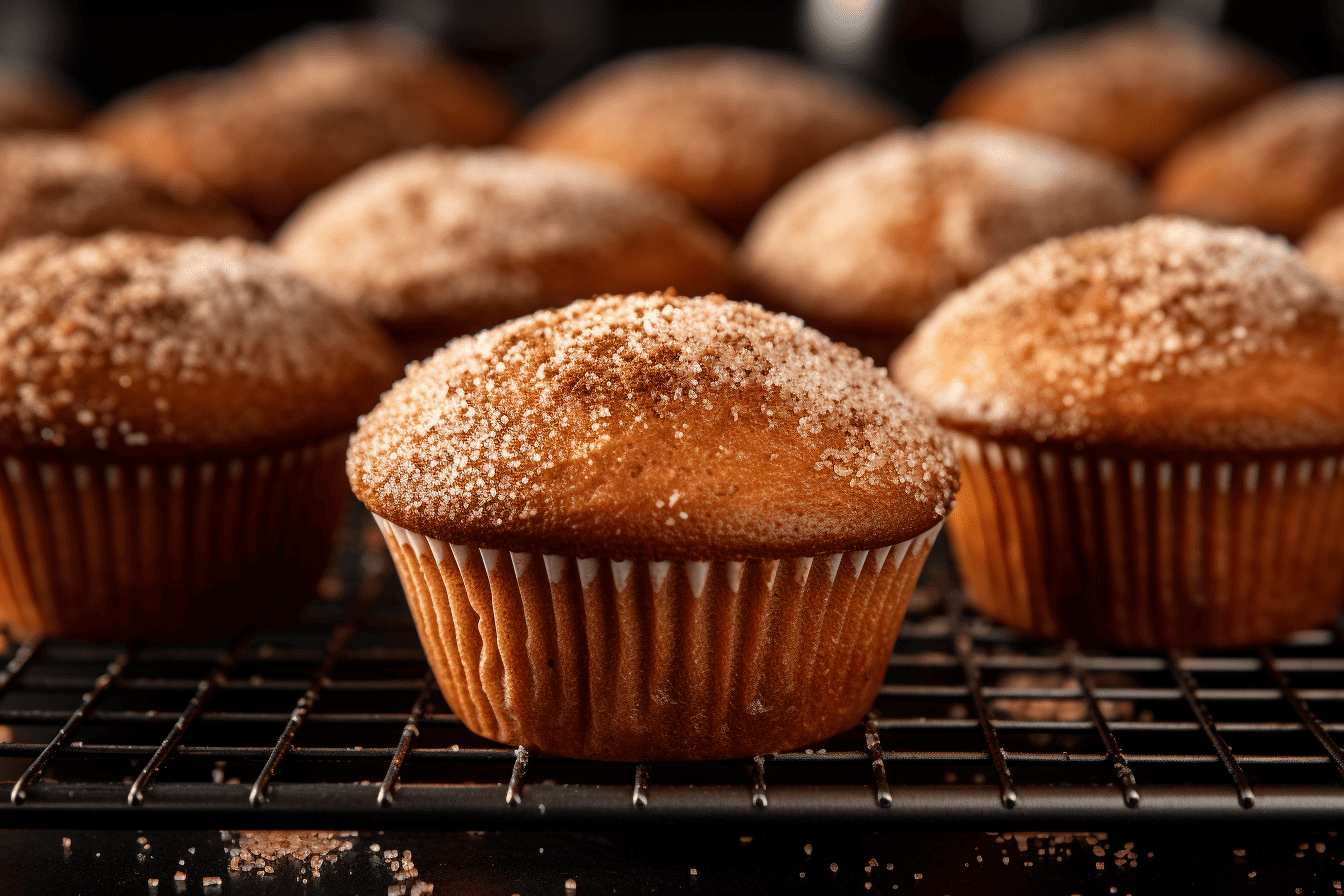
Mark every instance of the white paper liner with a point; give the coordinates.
(634, 660)
(1149, 551)
(112, 550)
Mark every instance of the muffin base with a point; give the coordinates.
(1146, 550)
(180, 549)
(656, 661)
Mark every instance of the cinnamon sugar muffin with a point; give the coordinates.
(1323, 247)
(724, 127)
(64, 184)
(654, 528)
(436, 243)
(303, 112)
(1131, 88)
(1279, 165)
(173, 417)
(868, 242)
(1150, 426)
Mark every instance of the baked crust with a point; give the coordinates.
(1323, 247)
(57, 183)
(1132, 89)
(1164, 334)
(303, 112)
(454, 241)
(654, 427)
(149, 346)
(1278, 165)
(877, 235)
(31, 99)
(724, 127)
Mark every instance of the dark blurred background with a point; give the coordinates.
(914, 50)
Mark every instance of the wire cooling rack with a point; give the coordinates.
(338, 724)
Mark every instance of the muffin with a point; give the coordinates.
(31, 99)
(300, 114)
(1323, 247)
(1150, 427)
(726, 128)
(1132, 88)
(437, 243)
(654, 528)
(867, 243)
(64, 184)
(173, 418)
(1278, 165)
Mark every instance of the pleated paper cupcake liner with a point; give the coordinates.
(1146, 550)
(191, 548)
(645, 661)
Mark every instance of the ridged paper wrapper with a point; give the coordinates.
(648, 661)
(173, 548)
(1148, 550)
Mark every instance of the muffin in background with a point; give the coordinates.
(654, 528)
(301, 113)
(1278, 165)
(867, 243)
(436, 243)
(1323, 247)
(32, 99)
(726, 128)
(58, 183)
(1132, 88)
(1151, 429)
(173, 419)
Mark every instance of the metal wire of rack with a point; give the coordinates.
(974, 728)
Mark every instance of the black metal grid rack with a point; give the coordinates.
(975, 728)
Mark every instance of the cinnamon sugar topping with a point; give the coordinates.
(634, 405)
(1066, 334)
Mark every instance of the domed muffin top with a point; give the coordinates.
(457, 240)
(1131, 88)
(299, 114)
(56, 183)
(724, 127)
(654, 427)
(154, 346)
(1166, 333)
(878, 234)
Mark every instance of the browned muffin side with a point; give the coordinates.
(301, 113)
(1132, 88)
(724, 127)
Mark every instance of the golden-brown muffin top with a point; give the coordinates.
(1166, 333)
(155, 346)
(1323, 247)
(1278, 165)
(877, 235)
(1131, 88)
(303, 112)
(724, 127)
(30, 99)
(56, 183)
(460, 240)
(654, 427)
